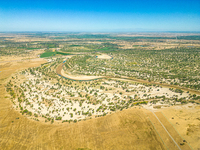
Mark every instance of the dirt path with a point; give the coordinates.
(166, 131)
(172, 131)
(185, 120)
(61, 72)
(162, 133)
(157, 83)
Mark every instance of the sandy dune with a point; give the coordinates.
(104, 56)
(79, 77)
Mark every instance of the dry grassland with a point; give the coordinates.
(31, 55)
(186, 120)
(128, 129)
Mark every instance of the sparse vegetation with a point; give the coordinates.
(134, 73)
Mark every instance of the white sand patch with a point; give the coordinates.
(79, 77)
(104, 56)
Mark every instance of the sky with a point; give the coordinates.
(99, 15)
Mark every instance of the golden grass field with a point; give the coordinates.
(186, 119)
(127, 129)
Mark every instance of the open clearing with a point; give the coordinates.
(104, 56)
(79, 77)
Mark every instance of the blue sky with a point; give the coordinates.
(100, 15)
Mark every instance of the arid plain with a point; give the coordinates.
(160, 113)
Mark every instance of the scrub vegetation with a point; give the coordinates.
(126, 74)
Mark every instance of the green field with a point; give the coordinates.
(62, 53)
(30, 48)
(49, 54)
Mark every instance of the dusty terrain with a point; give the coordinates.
(31, 56)
(139, 127)
(129, 129)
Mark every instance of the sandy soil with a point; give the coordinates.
(60, 71)
(79, 77)
(104, 56)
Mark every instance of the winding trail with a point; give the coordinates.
(60, 72)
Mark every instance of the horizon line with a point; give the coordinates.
(99, 31)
